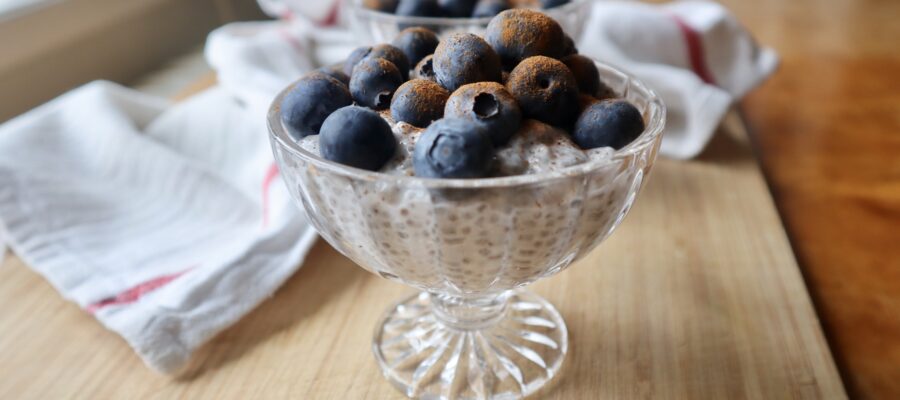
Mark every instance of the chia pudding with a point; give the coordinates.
(487, 238)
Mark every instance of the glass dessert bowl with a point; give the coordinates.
(372, 26)
(470, 246)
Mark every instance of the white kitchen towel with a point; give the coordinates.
(256, 60)
(167, 222)
(325, 12)
(694, 54)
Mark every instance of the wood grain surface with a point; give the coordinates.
(827, 127)
(696, 296)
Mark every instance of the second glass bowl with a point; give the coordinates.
(373, 26)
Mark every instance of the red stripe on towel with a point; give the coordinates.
(694, 41)
(135, 293)
(332, 18)
(267, 183)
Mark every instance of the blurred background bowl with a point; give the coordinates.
(373, 27)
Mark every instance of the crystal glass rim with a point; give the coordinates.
(357, 7)
(652, 132)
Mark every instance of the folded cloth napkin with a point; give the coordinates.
(694, 54)
(167, 222)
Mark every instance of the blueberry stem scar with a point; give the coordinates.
(486, 106)
(383, 99)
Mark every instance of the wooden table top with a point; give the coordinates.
(827, 129)
(696, 296)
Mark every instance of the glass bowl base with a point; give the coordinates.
(508, 354)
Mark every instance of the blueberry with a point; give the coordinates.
(457, 8)
(546, 4)
(489, 8)
(608, 123)
(388, 6)
(416, 43)
(357, 137)
(336, 71)
(374, 81)
(418, 8)
(419, 102)
(394, 55)
(465, 58)
(425, 69)
(569, 47)
(355, 57)
(521, 33)
(546, 90)
(585, 72)
(309, 103)
(453, 148)
(489, 104)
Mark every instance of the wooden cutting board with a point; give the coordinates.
(696, 296)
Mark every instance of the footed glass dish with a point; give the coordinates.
(471, 246)
(373, 26)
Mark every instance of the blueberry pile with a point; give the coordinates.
(469, 94)
(455, 8)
